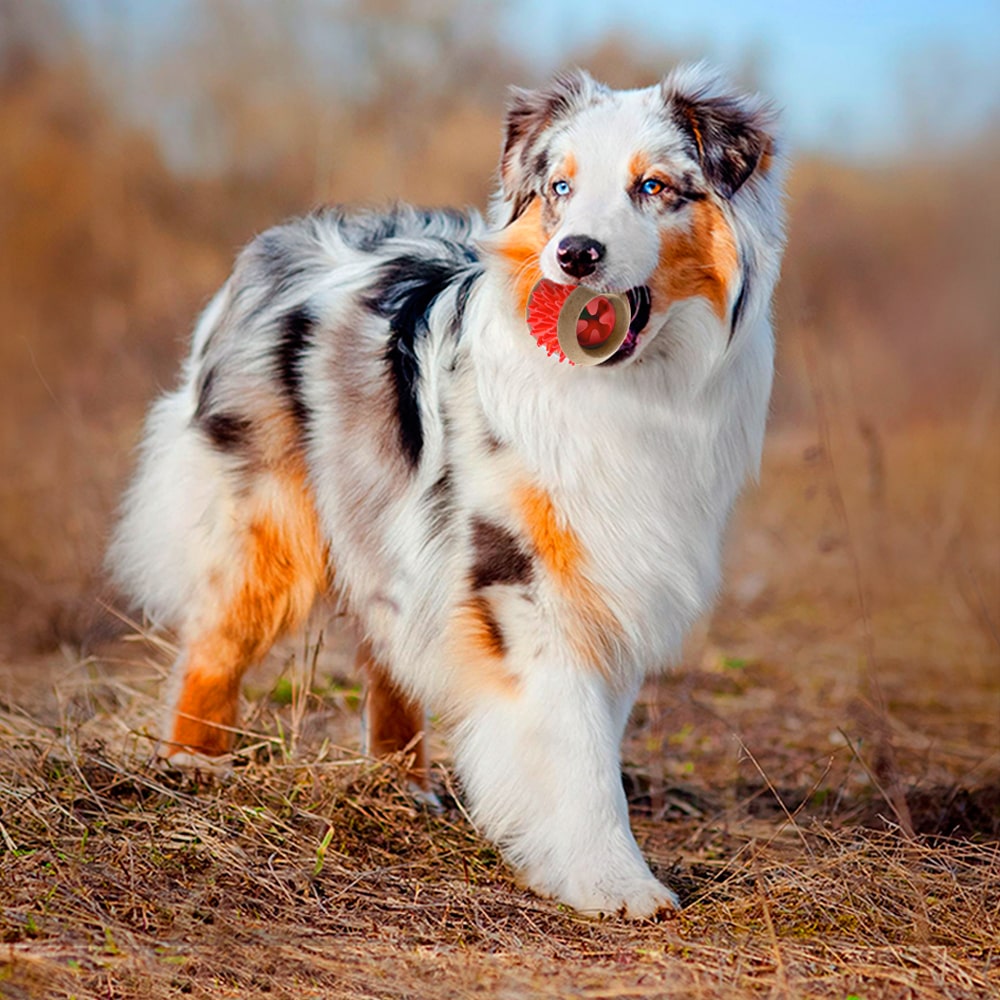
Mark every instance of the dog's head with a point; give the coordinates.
(633, 191)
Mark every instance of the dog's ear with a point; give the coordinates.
(530, 115)
(731, 134)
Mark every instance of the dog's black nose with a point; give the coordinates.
(579, 256)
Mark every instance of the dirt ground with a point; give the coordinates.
(820, 781)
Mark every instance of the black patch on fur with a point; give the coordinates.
(529, 114)
(227, 431)
(541, 165)
(439, 501)
(741, 297)
(726, 138)
(295, 336)
(531, 111)
(406, 290)
(522, 199)
(205, 393)
(686, 196)
(499, 556)
(462, 293)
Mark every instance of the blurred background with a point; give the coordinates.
(142, 143)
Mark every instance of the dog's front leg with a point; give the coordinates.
(541, 770)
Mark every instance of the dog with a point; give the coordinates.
(520, 541)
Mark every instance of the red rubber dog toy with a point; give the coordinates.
(581, 325)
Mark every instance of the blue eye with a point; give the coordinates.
(561, 189)
(652, 187)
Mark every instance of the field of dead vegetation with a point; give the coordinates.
(819, 779)
(820, 782)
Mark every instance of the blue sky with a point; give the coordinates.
(838, 70)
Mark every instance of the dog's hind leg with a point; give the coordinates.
(393, 721)
(270, 585)
(219, 536)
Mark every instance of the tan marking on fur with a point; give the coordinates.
(275, 439)
(766, 160)
(520, 245)
(394, 722)
(484, 629)
(556, 545)
(206, 711)
(282, 577)
(591, 627)
(479, 648)
(568, 168)
(638, 167)
(285, 564)
(692, 118)
(699, 262)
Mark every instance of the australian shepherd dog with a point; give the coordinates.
(519, 540)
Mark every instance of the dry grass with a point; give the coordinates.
(824, 845)
(315, 876)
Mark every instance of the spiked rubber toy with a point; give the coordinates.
(580, 325)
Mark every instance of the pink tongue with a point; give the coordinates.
(595, 323)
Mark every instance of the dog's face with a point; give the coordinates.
(630, 191)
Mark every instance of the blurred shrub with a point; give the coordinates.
(108, 247)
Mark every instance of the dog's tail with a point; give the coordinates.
(172, 524)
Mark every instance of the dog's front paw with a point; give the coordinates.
(650, 901)
(634, 899)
